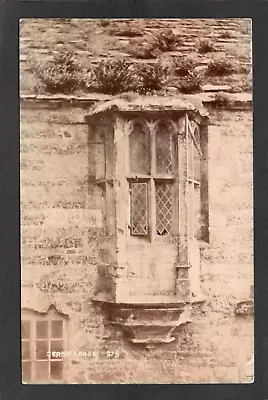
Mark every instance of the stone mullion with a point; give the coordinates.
(152, 200)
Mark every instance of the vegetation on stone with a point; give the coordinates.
(112, 77)
(165, 40)
(61, 76)
(151, 78)
(152, 45)
(198, 48)
(226, 35)
(222, 99)
(125, 30)
(184, 66)
(221, 67)
(205, 46)
(191, 83)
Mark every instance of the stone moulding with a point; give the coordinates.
(240, 101)
(148, 324)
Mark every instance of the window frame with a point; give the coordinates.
(33, 317)
(154, 177)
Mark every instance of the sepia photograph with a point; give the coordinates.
(136, 201)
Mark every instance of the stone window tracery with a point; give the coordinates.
(151, 177)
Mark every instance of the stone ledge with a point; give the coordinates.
(238, 101)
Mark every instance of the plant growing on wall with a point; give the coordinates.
(205, 46)
(184, 66)
(151, 78)
(125, 30)
(226, 35)
(141, 49)
(222, 99)
(152, 45)
(191, 83)
(165, 40)
(61, 76)
(111, 77)
(220, 67)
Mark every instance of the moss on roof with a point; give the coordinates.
(149, 103)
(91, 41)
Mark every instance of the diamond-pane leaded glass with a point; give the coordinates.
(139, 212)
(163, 208)
(163, 147)
(139, 148)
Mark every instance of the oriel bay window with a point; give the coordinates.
(148, 170)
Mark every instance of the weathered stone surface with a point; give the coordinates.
(216, 88)
(63, 243)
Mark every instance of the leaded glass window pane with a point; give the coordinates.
(25, 329)
(25, 349)
(41, 329)
(56, 329)
(56, 346)
(163, 147)
(163, 193)
(56, 370)
(41, 349)
(41, 371)
(26, 371)
(139, 208)
(139, 148)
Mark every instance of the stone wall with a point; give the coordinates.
(63, 242)
(227, 264)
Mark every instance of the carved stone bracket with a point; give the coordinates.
(148, 324)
